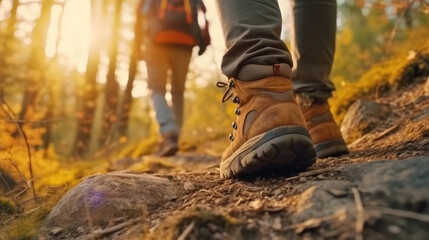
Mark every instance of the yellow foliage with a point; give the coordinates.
(385, 75)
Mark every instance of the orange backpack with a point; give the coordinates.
(173, 21)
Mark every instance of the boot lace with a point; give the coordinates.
(228, 95)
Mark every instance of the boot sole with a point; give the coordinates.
(332, 148)
(283, 147)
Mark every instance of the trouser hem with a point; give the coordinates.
(253, 72)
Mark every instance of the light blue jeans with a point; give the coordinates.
(252, 29)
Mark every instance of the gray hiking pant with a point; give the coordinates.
(252, 29)
(160, 60)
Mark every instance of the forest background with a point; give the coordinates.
(73, 87)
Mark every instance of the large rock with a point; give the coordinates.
(400, 185)
(361, 118)
(104, 198)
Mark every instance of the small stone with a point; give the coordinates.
(256, 204)
(394, 229)
(189, 186)
(277, 192)
(322, 177)
(56, 230)
(80, 230)
(218, 236)
(337, 192)
(277, 224)
(411, 55)
(303, 179)
(362, 117)
(274, 208)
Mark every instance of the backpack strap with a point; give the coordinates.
(188, 11)
(163, 8)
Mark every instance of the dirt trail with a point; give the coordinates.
(367, 194)
(333, 199)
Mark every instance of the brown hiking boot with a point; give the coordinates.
(324, 131)
(168, 146)
(270, 130)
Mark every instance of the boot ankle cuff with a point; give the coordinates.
(253, 72)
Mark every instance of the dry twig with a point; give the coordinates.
(213, 191)
(10, 114)
(315, 222)
(9, 120)
(113, 229)
(5, 182)
(31, 199)
(29, 211)
(90, 224)
(187, 231)
(395, 28)
(17, 170)
(401, 213)
(311, 173)
(360, 221)
(391, 129)
(29, 183)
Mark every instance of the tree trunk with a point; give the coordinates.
(50, 114)
(53, 100)
(111, 90)
(128, 98)
(37, 59)
(8, 37)
(87, 111)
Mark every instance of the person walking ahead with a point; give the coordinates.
(273, 129)
(169, 30)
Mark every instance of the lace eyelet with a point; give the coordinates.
(231, 137)
(237, 111)
(234, 125)
(236, 100)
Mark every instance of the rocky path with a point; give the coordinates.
(379, 191)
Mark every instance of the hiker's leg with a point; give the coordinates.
(313, 46)
(251, 30)
(179, 59)
(157, 67)
(270, 129)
